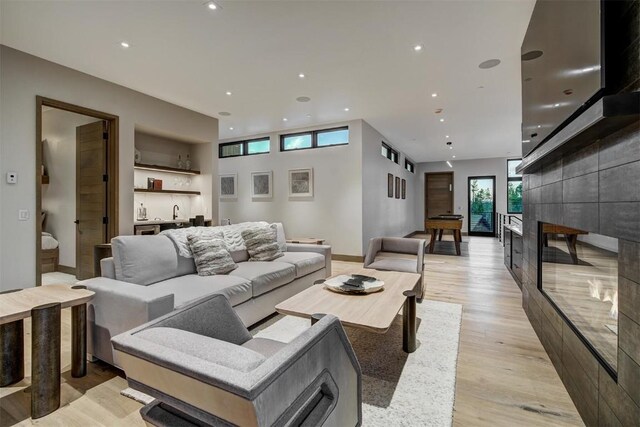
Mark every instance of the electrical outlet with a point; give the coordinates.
(12, 177)
(23, 215)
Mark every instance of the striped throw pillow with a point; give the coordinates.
(210, 255)
(261, 243)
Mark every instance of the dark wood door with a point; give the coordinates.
(438, 194)
(91, 194)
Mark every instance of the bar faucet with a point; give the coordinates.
(175, 208)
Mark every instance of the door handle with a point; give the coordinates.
(450, 187)
(76, 222)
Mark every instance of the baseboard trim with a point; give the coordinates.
(348, 258)
(413, 233)
(66, 269)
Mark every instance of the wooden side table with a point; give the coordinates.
(43, 305)
(103, 250)
(307, 241)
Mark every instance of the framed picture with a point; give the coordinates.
(404, 189)
(390, 185)
(397, 187)
(228, 186)
(261, 185)
(301, 183)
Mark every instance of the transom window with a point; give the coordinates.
(409, 166)
(314, 139)
(390, 153)
(244, 148)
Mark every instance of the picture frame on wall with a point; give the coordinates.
(390, 185)
(404, 189)
(301, 183)
(262, 185)
(397, 187)
(228, 186)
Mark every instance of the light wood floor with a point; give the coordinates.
(504, 375)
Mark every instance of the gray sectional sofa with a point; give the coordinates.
(147, 278)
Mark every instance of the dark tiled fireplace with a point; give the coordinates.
(596, 190)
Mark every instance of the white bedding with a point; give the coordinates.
(48, 241)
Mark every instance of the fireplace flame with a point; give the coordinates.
(595, 290)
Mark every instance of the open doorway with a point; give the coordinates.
(76, 189)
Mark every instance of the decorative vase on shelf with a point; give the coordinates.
(187, 163)
(180, 162)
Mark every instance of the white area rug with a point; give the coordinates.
(400, 389)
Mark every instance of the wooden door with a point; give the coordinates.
(438, 194)
(91, 194)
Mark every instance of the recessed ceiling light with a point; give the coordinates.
(449, 163)
(453, 157)
(308, 116)
(284, 119)
(301, 75)
(433, 95)
(303, 99)
(442, 120)
(231, 128)
(556, 105)
(446, 136)
(211, 5)
(417, 47)
(451, 147)
(346, 109)
(526, 140)
(224, 113)
(124, 44)
(480, 87)
(228, 93)
(539, 126)
(489, 63)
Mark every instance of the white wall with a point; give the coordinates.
(462, 170)
(334, 213)
(59, 196)
(22, 77)
(383, 216)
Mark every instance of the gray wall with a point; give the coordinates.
(335, 211)
(22, 78)
(382, 216)
(462, 170)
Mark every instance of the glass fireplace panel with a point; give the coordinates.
(580, 275)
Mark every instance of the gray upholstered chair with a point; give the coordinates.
(203, 367)
(397, 254)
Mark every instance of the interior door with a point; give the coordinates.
(91, 194)
(482, 205)
(438, 194)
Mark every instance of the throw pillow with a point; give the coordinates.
(261, 243)
(210, 255)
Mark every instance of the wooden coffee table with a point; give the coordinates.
(373, 312)
(43, 305)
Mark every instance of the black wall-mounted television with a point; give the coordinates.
(562, 66)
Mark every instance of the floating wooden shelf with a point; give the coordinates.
(45, 179)
(189, 193)
(165, 169)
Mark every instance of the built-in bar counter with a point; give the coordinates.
(513, 251)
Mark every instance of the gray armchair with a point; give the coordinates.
(204, 367)
(395, 254)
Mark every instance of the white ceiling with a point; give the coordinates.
(355, 54)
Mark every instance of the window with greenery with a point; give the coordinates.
(514, 187)
(244, 148)
(390, 153)
(409, 166)
(314, 139)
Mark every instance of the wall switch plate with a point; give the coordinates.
(23, 215)
(12, 177)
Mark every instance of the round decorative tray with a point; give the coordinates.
(340, 284)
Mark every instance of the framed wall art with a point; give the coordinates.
(228, 188)
(390, 185)
(404, 189)
(301, 183)
(262, 185)
(397, 187)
